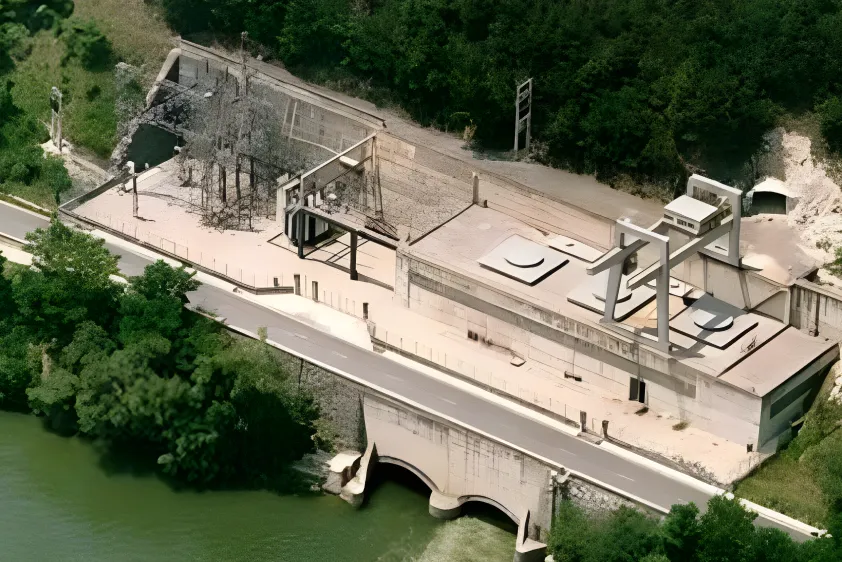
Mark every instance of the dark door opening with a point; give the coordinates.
(637, 390)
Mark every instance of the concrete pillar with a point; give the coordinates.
(583, 420)
(605, 428)
(316, 291)
(301, 232)
(365, 311)
(354, 274)
(476, 188)
(663, 298)
(297, 281)
(444, 507)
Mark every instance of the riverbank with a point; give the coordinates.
(58, 501)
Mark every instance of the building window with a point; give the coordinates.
(669, 218)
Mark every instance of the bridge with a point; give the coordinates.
(458, 465)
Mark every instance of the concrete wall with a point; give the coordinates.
(795, 392)
(421, 188)
(816, 310)
(562, 345)
(741, 288)
(307, 119)
(459, 463)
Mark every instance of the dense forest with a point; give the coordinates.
(127, 365)
(648, 88)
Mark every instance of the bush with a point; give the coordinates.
(84, 41)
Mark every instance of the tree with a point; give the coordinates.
(7, 302)
(627, 536)
(572, 534)
(681, 533)
(72, 283)
(773, 545)
(55, 175)
(727, 531)
(85, 42)
(831, 122)
(161, 280)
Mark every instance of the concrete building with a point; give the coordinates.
(723, 332)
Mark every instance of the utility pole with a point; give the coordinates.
(523, 113)
(130, 166)
(55, 123)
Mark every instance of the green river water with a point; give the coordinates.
(58, 502)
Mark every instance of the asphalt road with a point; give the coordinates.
(495, 420)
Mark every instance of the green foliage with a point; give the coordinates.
(72, 283)
(634, 87)
(84, 41)
(130, 366)
(681, 533)
(725, 533)
(572, 534)
(831, 123)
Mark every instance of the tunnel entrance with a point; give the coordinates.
(151, 145)
(767, 202)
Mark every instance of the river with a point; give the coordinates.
(60, 502)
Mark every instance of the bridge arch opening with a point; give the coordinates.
(479, 506)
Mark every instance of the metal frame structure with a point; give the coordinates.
(696, 187)
(524, 94)
(629, 239)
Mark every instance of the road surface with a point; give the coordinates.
(489, 417)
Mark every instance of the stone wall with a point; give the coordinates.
(339, 399)
(816, 310)
(593, 499)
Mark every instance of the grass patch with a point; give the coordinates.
(89, 118)
(800, 480)
(38, 193)
(786, 485)
(135, 28)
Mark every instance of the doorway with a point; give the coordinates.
(637, 390)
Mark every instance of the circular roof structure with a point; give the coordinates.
(712, 321)
(526, 257)
(622, 296)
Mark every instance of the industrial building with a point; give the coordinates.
(667, 310)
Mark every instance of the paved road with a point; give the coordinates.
(489, 417)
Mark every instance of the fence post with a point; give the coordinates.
(365, 317)
(297, 281)
(316, 291)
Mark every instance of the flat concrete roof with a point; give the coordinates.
(693, 209)
(772, 247)
(465, 239)
(776, 362)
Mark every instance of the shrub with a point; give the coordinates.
(85, 41)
